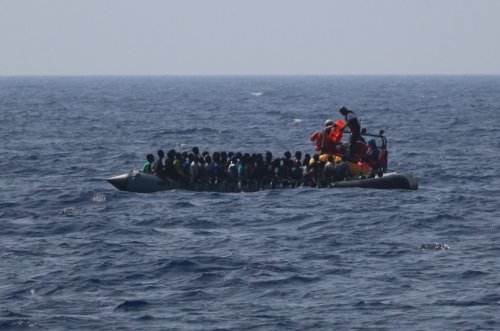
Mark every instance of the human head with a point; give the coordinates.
(343, 110)
(372, 142)
(160, 153)
(196, 150)
(150, 157)
(171, 154)
(328, 122)
(216, 157)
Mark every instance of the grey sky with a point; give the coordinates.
(158, 37)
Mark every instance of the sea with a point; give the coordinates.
(77, 254)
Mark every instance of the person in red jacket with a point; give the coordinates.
(328, 139)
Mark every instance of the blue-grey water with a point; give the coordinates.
(76, 254)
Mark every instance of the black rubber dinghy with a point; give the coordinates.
(135, 181)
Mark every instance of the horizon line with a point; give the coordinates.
(251, 75)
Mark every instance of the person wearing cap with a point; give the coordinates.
(324, 143)
(353, 124)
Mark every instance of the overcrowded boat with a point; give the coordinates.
(336, 164)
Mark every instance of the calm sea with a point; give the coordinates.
(76, 254)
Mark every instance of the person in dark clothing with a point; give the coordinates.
(158, 167)
(353, 124)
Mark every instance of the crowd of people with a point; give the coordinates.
(334, 161)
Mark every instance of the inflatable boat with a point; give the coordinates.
(136, 181)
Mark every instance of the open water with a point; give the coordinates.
(76, 254)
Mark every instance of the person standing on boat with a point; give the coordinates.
(353, 124)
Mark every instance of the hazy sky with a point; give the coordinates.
(325, 37)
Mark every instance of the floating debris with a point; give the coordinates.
(435, 246)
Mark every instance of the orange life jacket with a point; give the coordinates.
(359, 168)
(318, 138)
(336, 134)
(333, 138)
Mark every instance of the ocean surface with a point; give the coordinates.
(77, 254)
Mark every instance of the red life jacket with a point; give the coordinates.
(318, 138)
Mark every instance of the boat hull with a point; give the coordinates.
(146, 183)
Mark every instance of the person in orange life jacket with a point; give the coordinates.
(324, 143)
(353, 124)
(372, 155)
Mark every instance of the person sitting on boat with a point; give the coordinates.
(297, 159)
(296, 174)
(341, 171)
(329, 169)
(173, 166)
(315, 171)
(306, 170)
(196, 151)
(260, 171)
(287, 165)
(232, 169)
(158, 167)
(353, 124)
(372, 155)
(147, 168)
(194, 169)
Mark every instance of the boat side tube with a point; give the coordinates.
(401, 181)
